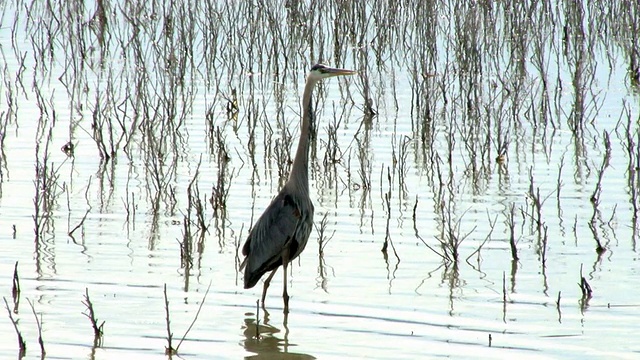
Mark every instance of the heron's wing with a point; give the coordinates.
(275, 229)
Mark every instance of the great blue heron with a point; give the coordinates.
(282, 231)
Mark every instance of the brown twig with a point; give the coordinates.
(98, 330)
(21, 343)
(39, 324)
(169, 350)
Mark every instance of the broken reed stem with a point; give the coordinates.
(97, 329)
(534, 195)
(402, 165)
(586, 292)
(492, 226)
(595, 196)
(387, 236)
(386, 197)
(451, 239)
(194, 318)
(512, 224)
(415, 229)
(504, 287)
(387, 201)
(322, 239)
(633, 169)
(584, 287)
(39, 324)
(193, 198)
(169, 350)
(504, 296)
(81, 223)
(15, 289)
(186, 259)
(559, 180)
(366, 167)
(220, 190)
(22, 345)
(558, 308)
(544, 246)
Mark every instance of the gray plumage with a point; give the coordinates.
(285, 224)
(282, 231)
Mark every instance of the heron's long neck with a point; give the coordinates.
(299, 176)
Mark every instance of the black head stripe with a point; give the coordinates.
(317, 67)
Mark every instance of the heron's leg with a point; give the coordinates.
(266, 285)
(285, 296)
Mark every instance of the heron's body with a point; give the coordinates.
(282, 231)
(287, 223)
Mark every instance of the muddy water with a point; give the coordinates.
(160, 100)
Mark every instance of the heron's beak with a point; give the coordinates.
(337, 71)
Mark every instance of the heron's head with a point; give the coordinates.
(320, 71)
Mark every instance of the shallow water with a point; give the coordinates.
(207, 94)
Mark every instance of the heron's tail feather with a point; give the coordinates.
(251, 279)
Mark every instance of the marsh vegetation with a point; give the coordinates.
(478, 179)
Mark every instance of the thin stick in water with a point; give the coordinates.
(39, 324)
(21, 343)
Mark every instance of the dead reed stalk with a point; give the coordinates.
(39, 325)
(15, 289)
(22, 345)
(98, 330)
(81, 223)
(512, 224)
(586, 291)
(387, 202)
(168, 350)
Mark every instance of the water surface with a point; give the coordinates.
(192, 108)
